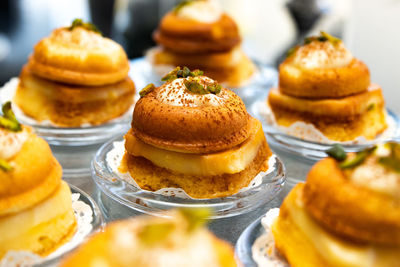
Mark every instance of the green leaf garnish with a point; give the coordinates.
(154, 233)
(5, 166)
(7, 111)
(87, 25)
(322, 38)
(392, 161)
(8, 120)
(358, 159)
(371, 107)
(291, 51)
(214, 88)
(147, 89)
(182, 4)
(195, 87)
(181, 73)
(196, 73)
(196, 217)
(337, 152)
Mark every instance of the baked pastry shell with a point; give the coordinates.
(325, 82)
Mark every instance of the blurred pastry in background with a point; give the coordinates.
(346, 214)
(145, 241)
(198, 34)
(322, 84)
(194, 134)
(36, 212)
(75, 77)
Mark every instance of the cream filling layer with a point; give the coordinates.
(231, 161)
(376, 177)
(336, 251)
(11, 142)
(16, 225)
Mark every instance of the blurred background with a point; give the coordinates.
(269, 28)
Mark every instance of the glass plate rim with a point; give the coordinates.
(78, 136)
(98, 224)
(311, 149)
(243, 252)
(102, 173)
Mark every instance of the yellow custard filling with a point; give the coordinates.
(41, 227)
(334, 250)
(230, 161)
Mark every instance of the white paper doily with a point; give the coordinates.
(114, 158)
(309, 132)
(84, 218)
(263, 250)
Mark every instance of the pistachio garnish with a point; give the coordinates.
(147, 89)
(337, 152)
(87, 25)
(322, 38)
(4, 165)
(8, 120)
(153, 233)
(371, 107)
(181, 73)
(193, 86)
(392, 161)
(182, 4)
(291, 51)
(214, 88)
(196, 217)
(356, 160)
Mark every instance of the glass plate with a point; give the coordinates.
(68, 136)
(309, 149)
(142, 73)
(245, 242)
(151, 203)
(97, 224)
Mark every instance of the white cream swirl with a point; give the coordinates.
(375, 176)
(322, 55)
(11, 142)
(176, 94)
(207, 11)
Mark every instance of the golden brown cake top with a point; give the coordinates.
(28, 171)
(80, 55)
(197, 27)
(357, 195)
(321, 52)
(155, 241)
(190, 113)
(322, 68)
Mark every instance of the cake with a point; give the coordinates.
(346, 214)
(36, 214)
(198, 34)
(193, 134)
(322, 84)
(75, 77)
(155, 241)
